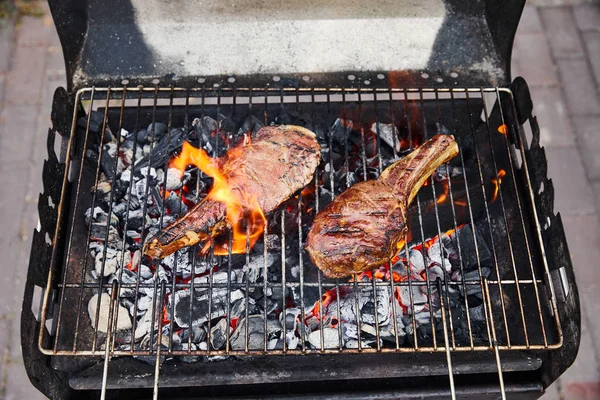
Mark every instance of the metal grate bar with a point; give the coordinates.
(437, 208)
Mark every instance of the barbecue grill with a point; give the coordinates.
(480, 301)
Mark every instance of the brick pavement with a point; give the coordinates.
(557, 50)
(30, 68)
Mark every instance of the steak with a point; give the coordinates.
(360, 229)
(280, 161)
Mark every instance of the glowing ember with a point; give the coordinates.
(503, 129)
(243, 211)
(496, 183)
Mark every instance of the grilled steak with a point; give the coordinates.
(280, 161)
(360, 229)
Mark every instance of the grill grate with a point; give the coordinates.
(517, 302)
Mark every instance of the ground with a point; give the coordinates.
(557, 50)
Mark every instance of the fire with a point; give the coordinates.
(327, 298)
(243, 211)
(503, 129)
(497, 182)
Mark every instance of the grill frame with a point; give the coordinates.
(484, 283)
(572, 296)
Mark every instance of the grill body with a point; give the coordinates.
(535, 337)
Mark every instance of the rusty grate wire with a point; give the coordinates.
(516, 300)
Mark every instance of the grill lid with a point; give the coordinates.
(411, 43)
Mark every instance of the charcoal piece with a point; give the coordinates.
(147, 135)
(331, 339)
(256, 332)
(388, 133)
(250, 125)
(218, 334)
(340, 130)
(163, 150)
(135, 221)
(199, 302)
(96, 121)
(204, 128)
(175, 205)
(107, 163)
(467, 247)
(102, 313)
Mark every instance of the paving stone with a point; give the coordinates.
(532, 55)
(562, 32)
(6, 43)
(25, 79)
(17, 129)
(36, 31)
(551, 392)
(55, 65)
(587, 16)
(587, 129)
(573, 194)
(530, 21)
(4, 346)
(592, 44)
(2, 87)
(579, 87)
(552, 113)
(18, 386)
(582, 391)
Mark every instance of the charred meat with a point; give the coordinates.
(360, 229)
(280, 161)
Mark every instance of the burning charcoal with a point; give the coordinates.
(199, 314)
(340, 130)
(123, 320)
(135, 220)
(175, 205)
(173, 179)
(127, 278)
(113, 261)
(331, 339)
(218, 334)
(291, 324)
(388, 133)
(145, 302)
(163, 150)
(95, 248)
(256, 333)
(382, 299)
(250, 125)
(205, 126)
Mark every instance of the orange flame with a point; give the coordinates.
(496, 182)
(503, 129)
(243, 212)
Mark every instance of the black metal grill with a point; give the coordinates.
(520, 309)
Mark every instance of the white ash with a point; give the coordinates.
(123, 319)
(111, 261)
(173, 179)
(331, 339)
